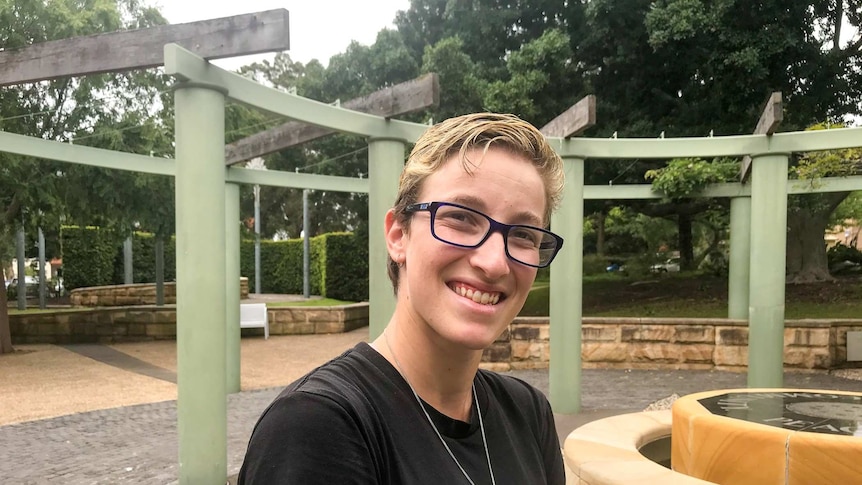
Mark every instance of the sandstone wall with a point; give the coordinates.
(623, 343)
(651, 343)
(132, 295)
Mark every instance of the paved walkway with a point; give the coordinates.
(138, 444)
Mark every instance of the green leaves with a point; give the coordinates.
(683, 177)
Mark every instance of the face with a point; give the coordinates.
(439, 283)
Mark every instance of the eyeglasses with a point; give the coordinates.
(468, 228)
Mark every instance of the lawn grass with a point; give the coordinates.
(311, 302)
(694, 295)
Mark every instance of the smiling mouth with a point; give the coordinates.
(484, 298)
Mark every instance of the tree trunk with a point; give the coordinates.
(806, 248)
(5, 327)
(601, 217)
(686, 246)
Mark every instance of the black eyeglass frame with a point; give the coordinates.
(495, 226)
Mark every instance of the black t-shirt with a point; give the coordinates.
(355, 420)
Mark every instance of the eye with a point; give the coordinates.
(456, 215)
(525, 236)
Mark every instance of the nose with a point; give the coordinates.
(491, 257)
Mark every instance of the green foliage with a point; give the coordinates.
(840, 253)
(683, 177)
(338, 266)
(144, 259)
(345, 267)
(89, 255)
(827, 163)
(537, 303)
(849, 210)
(595, 264)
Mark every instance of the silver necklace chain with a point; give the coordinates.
(434, 427)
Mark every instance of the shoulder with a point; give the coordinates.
(342, 383)
(327, 409)
(512, 388)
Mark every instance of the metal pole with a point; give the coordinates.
(232, 274)
(766, 302)
(42, 304)
(22, 267)
(739, 269)
(257, 290)
(306, 247)
(566, 294)
(160, 271)
(127, 261)
(385, 162)
(200, 208)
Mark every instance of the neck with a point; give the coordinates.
(441, 374)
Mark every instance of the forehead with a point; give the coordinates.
(505, 185)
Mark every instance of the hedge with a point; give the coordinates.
(339, 262)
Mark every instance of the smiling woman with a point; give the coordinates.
(465, 239)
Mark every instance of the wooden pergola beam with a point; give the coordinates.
(408, 97)
(246, 34)
(769, 120)
(573, 121)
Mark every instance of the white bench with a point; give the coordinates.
(253, 315)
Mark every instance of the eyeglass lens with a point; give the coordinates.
(465, 227)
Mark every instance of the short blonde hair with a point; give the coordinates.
(480, 131)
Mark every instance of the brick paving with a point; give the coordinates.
(138, 444)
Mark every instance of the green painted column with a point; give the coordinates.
(232, 275)
(385, 162)
(567, 293)
(200, 259)
(768, 249)
(740, 258)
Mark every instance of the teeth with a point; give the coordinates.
(478, 296)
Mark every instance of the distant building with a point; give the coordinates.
(846, 234)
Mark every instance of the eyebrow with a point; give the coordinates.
(524, 217)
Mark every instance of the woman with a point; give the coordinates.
(465, 239)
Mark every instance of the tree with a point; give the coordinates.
(810, 215)
(38, 192)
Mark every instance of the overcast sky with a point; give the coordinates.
(319, 29)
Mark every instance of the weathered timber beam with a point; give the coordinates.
(407, 97)
(767, 124)
(573, 121)
(246, 34)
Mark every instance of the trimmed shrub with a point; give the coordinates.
(338, 262)
(538, 303)
(89, 254)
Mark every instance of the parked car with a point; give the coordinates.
(616, 266)
(28, 281)
(669, 266)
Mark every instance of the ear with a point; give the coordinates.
(396, 237)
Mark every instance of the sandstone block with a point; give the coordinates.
(599, 333)
(734, 355)
(161, 330)
(496, 366)
(807, 337)
(528, 364)
(331, 326)
(647, 333)
(297, 328)
(732, 336)
(694, 334)
(320, 315)
(604, 352)
(655, 352)
(525, 332)
(498, 352)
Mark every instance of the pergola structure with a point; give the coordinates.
(207, 202)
